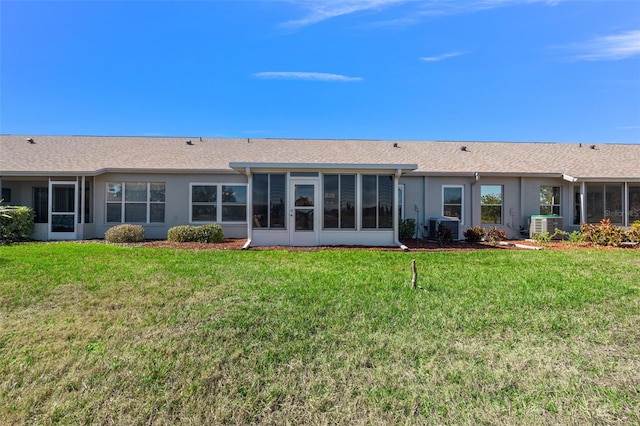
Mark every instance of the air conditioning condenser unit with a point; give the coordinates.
(544, 223)
(451, 223)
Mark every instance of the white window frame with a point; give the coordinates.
(339, 197)
(219, 203)
(123, 202)
(461, 187)
(493, 205)
(401, 209)
(377, 203)
(555, 202)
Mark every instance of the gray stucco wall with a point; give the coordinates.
(176, 201)
(521, 199)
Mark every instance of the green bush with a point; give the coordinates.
(210, 233)
(407, 228)
(474, 234)
(125, 233)
(545, 237)
(576, 238)
(16, 223)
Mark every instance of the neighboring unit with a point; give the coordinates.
(315, 192)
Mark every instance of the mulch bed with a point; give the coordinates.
(413, 245)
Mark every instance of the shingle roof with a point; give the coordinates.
(97, 154)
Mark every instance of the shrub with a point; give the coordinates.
(125, 233)
(494, 234)
(603, 233)
(576, 238)
(210, 233)
(16, 223)
(542, 237)
(407, 228)
(633, 233)
(444, 234)
(474, 234)
(545, 237)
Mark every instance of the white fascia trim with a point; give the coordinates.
(609, 180)
(243, 166)
(47, 173)
(115, 170)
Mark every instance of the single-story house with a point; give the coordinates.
(314, 192)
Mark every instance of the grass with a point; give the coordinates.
(93, 333)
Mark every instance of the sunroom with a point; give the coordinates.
(322, 204)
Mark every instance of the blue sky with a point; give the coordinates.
(503, 70)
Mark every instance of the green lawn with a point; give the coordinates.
(92, 333)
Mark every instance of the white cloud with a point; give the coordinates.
(309, 76)
(610, 48)
(321, 10)
(441, 57)
(454, 7)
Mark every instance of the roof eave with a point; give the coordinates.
(243, 167)
(27, 173)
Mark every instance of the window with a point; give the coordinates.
(634, 203)
(87, 199)
(234, 203)
(401, 202)
(452, 201)
(207, 206)
(377, 201)
(339, 201)
(550, 200)
(604, 201)
(5, 195)
(577, 205)
(491, 204)
(41, 204)
(135, 202)
(269, 200)
(204, 199)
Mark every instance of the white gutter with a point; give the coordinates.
(242, 166)
(249, 208)
(396, 239)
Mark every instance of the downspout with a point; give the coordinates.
(249, 208)
(396, 239)
(476, 178)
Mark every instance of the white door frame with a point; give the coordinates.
(302, 231)
(64, 215)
